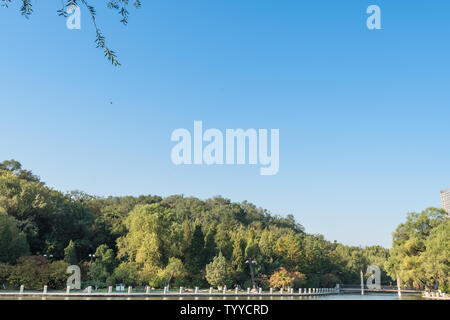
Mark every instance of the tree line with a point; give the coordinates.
(185, 241)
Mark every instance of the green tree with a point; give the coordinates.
(217, 272)
(210, 246)
(436, 258)
(238, 259)
(106, 257)
(48, 218)
(33, 272)
(153, 236)
(174, 270)
(252, 245)
(70, 254)
(15, 167)
(267, 244)
(128, 273)
(289, 248)
(100, 272)
(195, 260)
(57, 275)
(223, 240)
(5, 271)
(413, 257)
(187, 237)
(98, 275)
(13, 243)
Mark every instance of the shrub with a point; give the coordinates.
(127, 273)
(5, 270)
(283, 279)
(13, 243)
(217, 272)
(33, 272)
(58, 276)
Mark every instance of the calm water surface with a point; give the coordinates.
(369, 296)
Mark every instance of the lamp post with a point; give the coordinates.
(250, 263)
(48, 256)
(92, 256)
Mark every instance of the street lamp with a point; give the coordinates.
(92, 256)
(48, 256)
(250, 263)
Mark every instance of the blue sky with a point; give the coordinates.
(363, 115)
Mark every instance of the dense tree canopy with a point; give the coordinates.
(150, 240)
(421, 249)
(13, 243)
(217, 272)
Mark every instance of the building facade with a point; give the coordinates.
(445, 200)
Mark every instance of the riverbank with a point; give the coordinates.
(336, 297)
(203, 296)
(161, 294)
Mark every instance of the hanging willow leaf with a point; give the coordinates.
(26, 9)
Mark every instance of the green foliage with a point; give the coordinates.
(217, 272)
(5, 271)
(13, 243)
(419, 255)
(48, 218)
(150, 240)
(98, 275)
(445, 287)
(238, 258)
(15, 167)
(436, 258)
(174, 270)
(223, 240)
(196, 257)
(128, 273)
(289, 249)
(70, 254)
(34, 272)
(210, 246)
(100, 272)
(58, 276)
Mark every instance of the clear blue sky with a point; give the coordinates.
(363, 115)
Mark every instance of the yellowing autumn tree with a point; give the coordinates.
(284, 279)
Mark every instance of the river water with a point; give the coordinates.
(368, 296)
